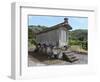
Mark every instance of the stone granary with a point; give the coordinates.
(53, 42)
(56, 35)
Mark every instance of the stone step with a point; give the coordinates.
(66, 52)
(73, 60)
(70, 57)
(70, 54)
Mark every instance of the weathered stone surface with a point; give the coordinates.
(70, 57)
(57, 53)
(60, 55)
(49, 51)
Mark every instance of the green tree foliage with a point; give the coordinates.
(32, 30)
(79, 34)
(78, 37)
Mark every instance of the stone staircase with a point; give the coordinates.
(69, 56)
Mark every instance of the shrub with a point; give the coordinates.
(82, 44)
(32, 41)
(74, 42)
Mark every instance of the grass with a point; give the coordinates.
(78, 49)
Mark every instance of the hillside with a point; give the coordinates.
(36, 28)
(79, 34)
(79, 38)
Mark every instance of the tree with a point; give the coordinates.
(79, 37)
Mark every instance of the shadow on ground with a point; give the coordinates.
(40, 56)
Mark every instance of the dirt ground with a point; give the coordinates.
(42, 60)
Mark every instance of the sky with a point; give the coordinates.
(75, 22)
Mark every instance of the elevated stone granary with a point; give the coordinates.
(56, 35)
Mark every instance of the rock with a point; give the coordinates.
(49, 51)
(60, 55)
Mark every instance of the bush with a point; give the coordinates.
(74, 42)
(32, 41)
(82, 44)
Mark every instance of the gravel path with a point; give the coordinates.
(42, 60)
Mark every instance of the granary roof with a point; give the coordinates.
(60, 25)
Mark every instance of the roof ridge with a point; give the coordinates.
(63, 24)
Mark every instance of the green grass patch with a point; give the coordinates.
(78, 49)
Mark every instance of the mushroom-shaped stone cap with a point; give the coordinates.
(65, 20)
